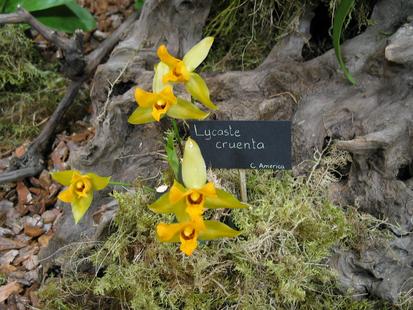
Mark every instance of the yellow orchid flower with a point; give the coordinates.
(188, 201)
(153, 106)
(80, 189)
(189, 232)
(181, 71)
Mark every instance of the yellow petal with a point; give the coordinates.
(208, 190)
(169, 77)
(215, 230)
(193, 166)
(63, 177)
(145, 99)
(80, 206)
(223, 200)
(98, 182)
(165, 57)
(141, 116)
(181, 72)
(198, 89)
(167, 94)
(177, 192)
(169, 232)
(161, 69)
(196, 55)
(186, 110)
(66, 195)
(188, 246)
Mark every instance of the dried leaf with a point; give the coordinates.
(23, 194)
(33, 231)
(7, 257)
(60, 155)
(9, 244)
(20, 151)
(8, 289)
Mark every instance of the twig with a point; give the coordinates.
(285, 93)
(20, 174)
(109, 95)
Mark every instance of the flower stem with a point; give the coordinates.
(120, 183)
(176, 131)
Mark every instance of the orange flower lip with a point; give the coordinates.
(160, 104)
(188, 233)
(195, 198)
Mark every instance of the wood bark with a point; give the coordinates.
(372, 120)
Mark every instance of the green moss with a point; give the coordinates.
(245, 31)
(29, 88)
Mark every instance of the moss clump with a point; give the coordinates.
(29, 88)
(247, 30)
(279, 261)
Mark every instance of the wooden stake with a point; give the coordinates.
(243, 185)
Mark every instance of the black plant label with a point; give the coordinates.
(244, 144)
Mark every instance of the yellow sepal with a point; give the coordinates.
(63, 177)
(141, 116)
(98, 182)
(81, 205)
(193, 166)
(196, 55)
(223, 200)
(198, 89)
(215, 229)
(160, 70)
(186, 110)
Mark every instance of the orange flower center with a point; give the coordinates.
(195, 198)
(80, 186)
(188, 233)
(160, 104)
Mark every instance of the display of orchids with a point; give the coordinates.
(189, 199)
